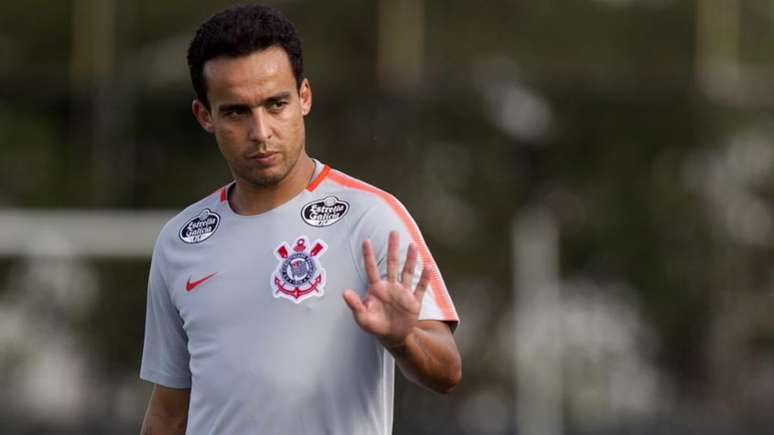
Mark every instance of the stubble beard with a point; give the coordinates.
(272, 179)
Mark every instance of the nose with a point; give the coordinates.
(260, 130)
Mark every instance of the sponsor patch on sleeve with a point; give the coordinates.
(200, 228)
(324, 212)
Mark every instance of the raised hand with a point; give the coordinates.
(391, 307)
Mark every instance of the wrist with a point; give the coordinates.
(396, 346)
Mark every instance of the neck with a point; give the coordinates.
(249, 199)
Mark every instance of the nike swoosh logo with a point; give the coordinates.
(192, 285)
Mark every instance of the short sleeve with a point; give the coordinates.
(387, 215)
(165, 357)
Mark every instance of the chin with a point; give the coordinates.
(271, 178)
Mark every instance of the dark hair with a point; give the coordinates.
(240, 31)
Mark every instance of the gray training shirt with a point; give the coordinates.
(247, 311)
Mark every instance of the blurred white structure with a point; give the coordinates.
(582, 353)
(103, 233)
(537, 324)
(51, 287)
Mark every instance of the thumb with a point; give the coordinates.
(353, 301)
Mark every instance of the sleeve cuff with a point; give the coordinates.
(165, 380)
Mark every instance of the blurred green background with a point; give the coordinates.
(592, 176)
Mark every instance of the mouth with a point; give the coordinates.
(264, 158)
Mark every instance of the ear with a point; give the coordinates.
(202, 114)
(305, 95)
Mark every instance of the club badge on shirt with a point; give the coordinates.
(299, 274)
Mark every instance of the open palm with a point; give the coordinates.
(391, 307)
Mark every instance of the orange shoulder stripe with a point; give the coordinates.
(437, 287)
(222, 192)
(319, 179)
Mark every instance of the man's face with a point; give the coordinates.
(256, 113)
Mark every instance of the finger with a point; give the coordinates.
(392, 256)
(424, 281)
(353, 301)
(410, 265)
(358, 307)
(372, 270)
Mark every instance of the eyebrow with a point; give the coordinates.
(238, 106)
(278, 97)
(230, 107)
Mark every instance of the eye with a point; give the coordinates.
(233, 112)
(277, 106)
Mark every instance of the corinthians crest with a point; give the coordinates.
(299, 274)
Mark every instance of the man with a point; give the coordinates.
(246, 329)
